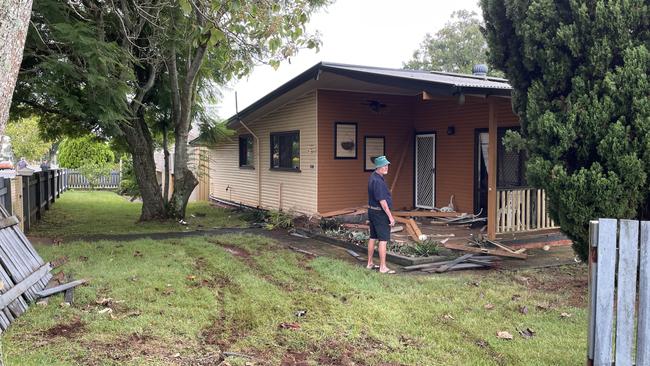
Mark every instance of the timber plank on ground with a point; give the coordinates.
(501, 253)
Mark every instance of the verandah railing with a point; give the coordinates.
(522, 209)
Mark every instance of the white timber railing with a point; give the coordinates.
(522, 209)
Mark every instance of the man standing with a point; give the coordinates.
(380, 202)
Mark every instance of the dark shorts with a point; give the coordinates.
(379, 225)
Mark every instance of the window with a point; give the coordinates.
(285, 150)
(510, 164)
(246, 151)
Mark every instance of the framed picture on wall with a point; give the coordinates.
(373, 146)
(345, 140)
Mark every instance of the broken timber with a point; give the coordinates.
(23, 273)
(501, 253)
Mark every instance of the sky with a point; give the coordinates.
(362, 32)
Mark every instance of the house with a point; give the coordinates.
(308, 146)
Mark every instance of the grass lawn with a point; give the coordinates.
(100, 212)
(183, 301)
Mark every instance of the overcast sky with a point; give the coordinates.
(363, 32)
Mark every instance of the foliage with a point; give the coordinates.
(425, 248)
(580, 76)
(278, 220)
(26, 139)
(130, 69)
(87, 150)
(128, 184)
(457, 47)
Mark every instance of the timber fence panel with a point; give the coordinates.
(626, 291)
(643, 328)
(606, 256)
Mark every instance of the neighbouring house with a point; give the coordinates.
(197, 163)
(308, 146)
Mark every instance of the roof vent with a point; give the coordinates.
(480, 70)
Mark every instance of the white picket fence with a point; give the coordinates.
(76, 180)
(617, 332)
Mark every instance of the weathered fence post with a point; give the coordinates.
(617, 249)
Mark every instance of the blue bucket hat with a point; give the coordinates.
(381, 161)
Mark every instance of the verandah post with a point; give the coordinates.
(492, 171)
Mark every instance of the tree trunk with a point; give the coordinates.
(141, 146)
(166, 170)
(184, 179)
(14, 23)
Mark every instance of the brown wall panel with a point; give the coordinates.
(344, 183)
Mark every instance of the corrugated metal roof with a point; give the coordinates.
(442, 82)
(460, 80)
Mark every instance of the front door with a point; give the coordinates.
(425, 170)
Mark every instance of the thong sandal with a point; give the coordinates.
(374, 266)
(390, 271)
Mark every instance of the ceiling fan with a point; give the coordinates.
(375, 105)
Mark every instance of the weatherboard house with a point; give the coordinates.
(308, 146)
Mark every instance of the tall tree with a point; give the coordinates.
(96, 66)
(14, 21)
(26, 139)
(579, 70)
(457, 47)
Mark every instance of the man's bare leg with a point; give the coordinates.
(371, 252)
(382, 257)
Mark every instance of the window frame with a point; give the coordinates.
(365, 150)
(283, 133)
(337, 142)
(242, 138)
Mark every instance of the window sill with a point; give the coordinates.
(248, 167)
(286, 170)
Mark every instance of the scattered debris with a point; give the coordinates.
(527, 333)
(504, 335)
(105, 310)
(356, 255)
(182, 222)
(515, 297)
(448, 317)
(523, 309)
(467, 261)
(300, 313)
(565, 315)
(137, 254)
(488, 306)
(306, 252)
(291, 326)
(497, 252)
(481, 343)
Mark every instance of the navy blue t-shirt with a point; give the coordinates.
(378, 190)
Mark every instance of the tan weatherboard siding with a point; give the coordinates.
(455, 153)
(299, 190)
(343, 183)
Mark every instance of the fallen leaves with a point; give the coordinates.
(504, 335)
(291, 326)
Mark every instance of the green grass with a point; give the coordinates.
(98, 212)
(183, 301)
